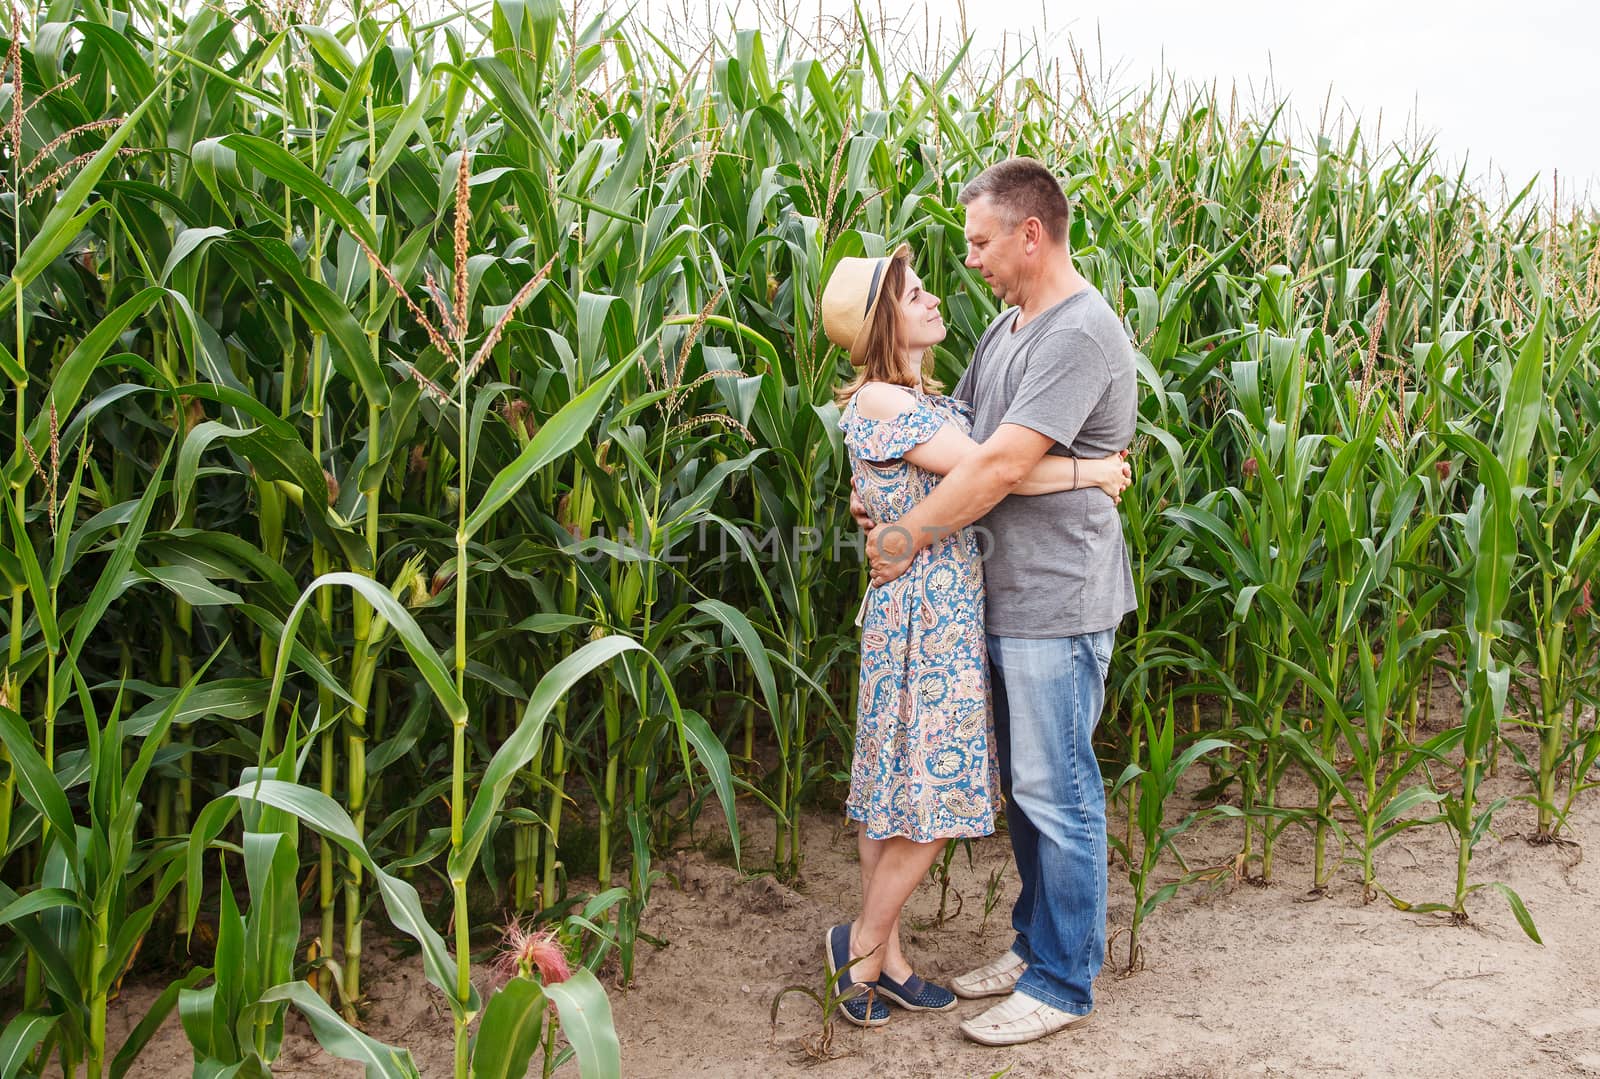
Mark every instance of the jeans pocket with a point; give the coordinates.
(1100, 644)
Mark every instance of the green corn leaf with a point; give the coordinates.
(1491, 536)
(189, 241)
(221, 556)
(714, 758)
(67, 518)
(112, 576)
(400, 899)
(272, 159)
(322, 308)
(754, 651)
(131, 71)
(232, 698)
(67, 385)
(555, 438)
(129, 934)
(275, 629)
(59, 973)
(520, 748)
(64, 222)
(33, 574)
(505, 90)
(351, 99)
(1519, 910)
(1161, 895)
(40, 899)
(550, 623)
(37, 784)
(510, 1031)
(1130, 773)
(1404, 803)
(1210, 530)
(586, 1021)
(273, 457)
(188, 585)
(764, 348)
(207, 1014)
(140, 767)
(17, 1042)
(341, 1039)
(207, 827)
(273, 929)
(12, 575)
(422, 653)
(405, 126)
(1519, 409)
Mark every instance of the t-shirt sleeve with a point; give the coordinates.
(1065, 377)
(879, 441)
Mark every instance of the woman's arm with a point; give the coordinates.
(950, 446)
(1110, 474)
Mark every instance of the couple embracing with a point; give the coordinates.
(983, 671)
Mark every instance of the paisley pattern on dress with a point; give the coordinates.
(924, 765)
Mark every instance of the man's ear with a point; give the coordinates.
(1032, 234)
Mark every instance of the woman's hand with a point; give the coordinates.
(858, 510)
(1111, 474)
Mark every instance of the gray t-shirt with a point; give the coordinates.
(1057, 566)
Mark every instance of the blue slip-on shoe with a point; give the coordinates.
(916, 995)
(866, 1009)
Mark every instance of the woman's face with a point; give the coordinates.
(921, 324)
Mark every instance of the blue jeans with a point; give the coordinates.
(1047, 700)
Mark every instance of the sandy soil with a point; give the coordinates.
(1240, 980)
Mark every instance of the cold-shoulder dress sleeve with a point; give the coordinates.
(881, 441)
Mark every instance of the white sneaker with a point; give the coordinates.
(991, 980)
(1016, 1019)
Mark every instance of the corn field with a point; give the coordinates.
(424, 496)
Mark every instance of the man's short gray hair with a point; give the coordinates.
(1020, 188)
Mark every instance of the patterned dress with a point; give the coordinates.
(925, 764)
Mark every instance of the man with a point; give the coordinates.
(1054, 373)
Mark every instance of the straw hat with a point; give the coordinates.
(851, 297)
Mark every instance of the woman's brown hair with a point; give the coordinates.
(885, 341)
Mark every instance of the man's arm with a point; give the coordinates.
(972, 489)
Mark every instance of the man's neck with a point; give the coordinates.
(1051, 287)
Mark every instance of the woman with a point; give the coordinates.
(924, 770)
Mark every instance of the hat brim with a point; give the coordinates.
(858, 347)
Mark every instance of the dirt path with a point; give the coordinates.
(1240, 980)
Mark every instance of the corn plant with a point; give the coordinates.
(236, 1022)
(820, 1045)
(1382, 759)
(518, 1021)
(1560, 528)
(100, 885)
(1489, 534)
(1156, 781)
(1262, 541)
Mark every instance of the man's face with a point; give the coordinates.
(994, 247)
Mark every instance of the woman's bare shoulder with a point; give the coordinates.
(883, 401)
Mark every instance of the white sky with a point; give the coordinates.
(1511, 90)
(1512, 87)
